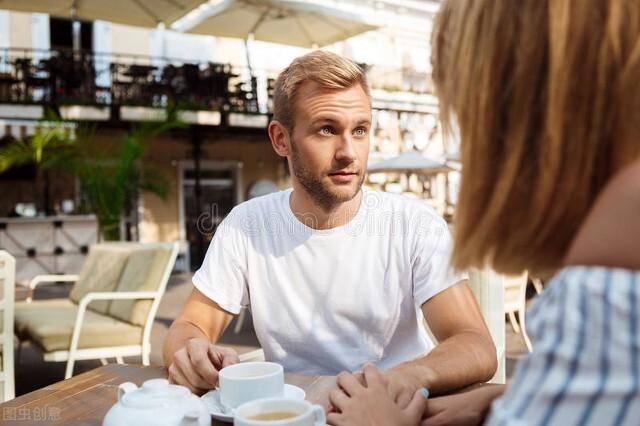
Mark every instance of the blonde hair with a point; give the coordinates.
(546, 97)
(327, 69)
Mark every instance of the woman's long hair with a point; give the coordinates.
(546, 96)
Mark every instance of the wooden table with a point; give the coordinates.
(86, 398)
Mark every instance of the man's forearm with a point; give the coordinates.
(461, 360)
(179, 334)
(200, 318)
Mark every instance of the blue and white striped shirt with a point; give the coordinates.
(585, 364)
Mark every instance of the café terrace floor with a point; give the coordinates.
(33, 373)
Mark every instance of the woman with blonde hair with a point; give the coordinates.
(546, 98)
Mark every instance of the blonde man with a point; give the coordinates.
(335, 275)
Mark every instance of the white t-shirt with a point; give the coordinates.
(324, 301)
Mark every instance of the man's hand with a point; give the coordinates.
(369, 404)
(463, 409)
(196, 365)
(404, 380)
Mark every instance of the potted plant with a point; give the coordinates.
(111, 182)
(111, 178)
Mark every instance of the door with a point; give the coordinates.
(219, 193)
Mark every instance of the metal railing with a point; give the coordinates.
(63, 76)
(59, 77)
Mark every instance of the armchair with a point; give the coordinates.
(110, 310)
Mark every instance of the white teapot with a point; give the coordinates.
(157, 403)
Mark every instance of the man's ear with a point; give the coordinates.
(280, 139)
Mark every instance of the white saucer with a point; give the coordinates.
(212, 400)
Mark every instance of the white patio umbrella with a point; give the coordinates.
(453, 160)
(299, 23)
(412, 162)
(409, 162)
(145, 13)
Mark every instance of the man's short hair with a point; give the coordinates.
(329, 70)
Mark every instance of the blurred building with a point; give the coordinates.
(224, 155)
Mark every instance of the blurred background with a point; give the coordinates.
(212, 66)
(145, 120)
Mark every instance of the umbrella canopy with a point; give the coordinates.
(292, 22)
(145, 13)
(453, 161)
(409, 162)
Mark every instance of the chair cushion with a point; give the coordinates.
(49, 324)
(101, 271)
(143, 272)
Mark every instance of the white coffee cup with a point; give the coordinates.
(304, 413)
(247, 381)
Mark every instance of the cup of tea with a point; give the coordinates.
(248, 381)
(279, 412)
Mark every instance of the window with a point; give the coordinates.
(61, 33)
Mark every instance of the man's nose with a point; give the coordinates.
(345, 151)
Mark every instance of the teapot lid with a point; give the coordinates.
(154, 393)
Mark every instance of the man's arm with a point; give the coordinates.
(465, 354)
(190, 355)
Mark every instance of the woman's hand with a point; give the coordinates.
(462, 409)
(369, 404)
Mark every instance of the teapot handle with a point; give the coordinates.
(125, 388)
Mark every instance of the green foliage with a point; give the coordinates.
(49, 148)
(111, 178)
(111, 182)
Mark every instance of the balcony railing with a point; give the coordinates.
(60, 77)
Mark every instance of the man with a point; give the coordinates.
(335, 275)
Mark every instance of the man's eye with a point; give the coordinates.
(360, 131)
(326, 130)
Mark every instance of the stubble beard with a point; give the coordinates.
(321, 194)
